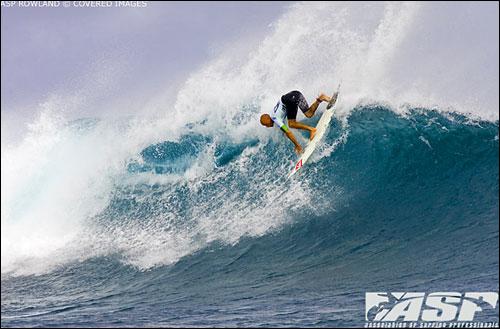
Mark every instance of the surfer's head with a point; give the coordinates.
(266, 120)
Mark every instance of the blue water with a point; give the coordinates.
(403, 203)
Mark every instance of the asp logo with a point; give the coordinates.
(419, 306)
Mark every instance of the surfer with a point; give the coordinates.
(285, 115)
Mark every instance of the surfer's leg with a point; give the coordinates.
(314, 106)
(297, 125)
(310, 112)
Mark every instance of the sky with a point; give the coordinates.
(46, 50)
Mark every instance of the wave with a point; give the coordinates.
(176, 197)
(412, 198)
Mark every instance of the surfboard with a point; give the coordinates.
(321, 127)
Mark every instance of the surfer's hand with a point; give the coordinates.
(298, 149)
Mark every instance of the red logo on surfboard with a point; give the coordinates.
(298, 165)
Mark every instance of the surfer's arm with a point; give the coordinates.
(288, 134)
(291, 137)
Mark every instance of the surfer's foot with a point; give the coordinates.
(312, 133)
(323, 98)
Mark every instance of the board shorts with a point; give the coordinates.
(293, 101)
(287, 108)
